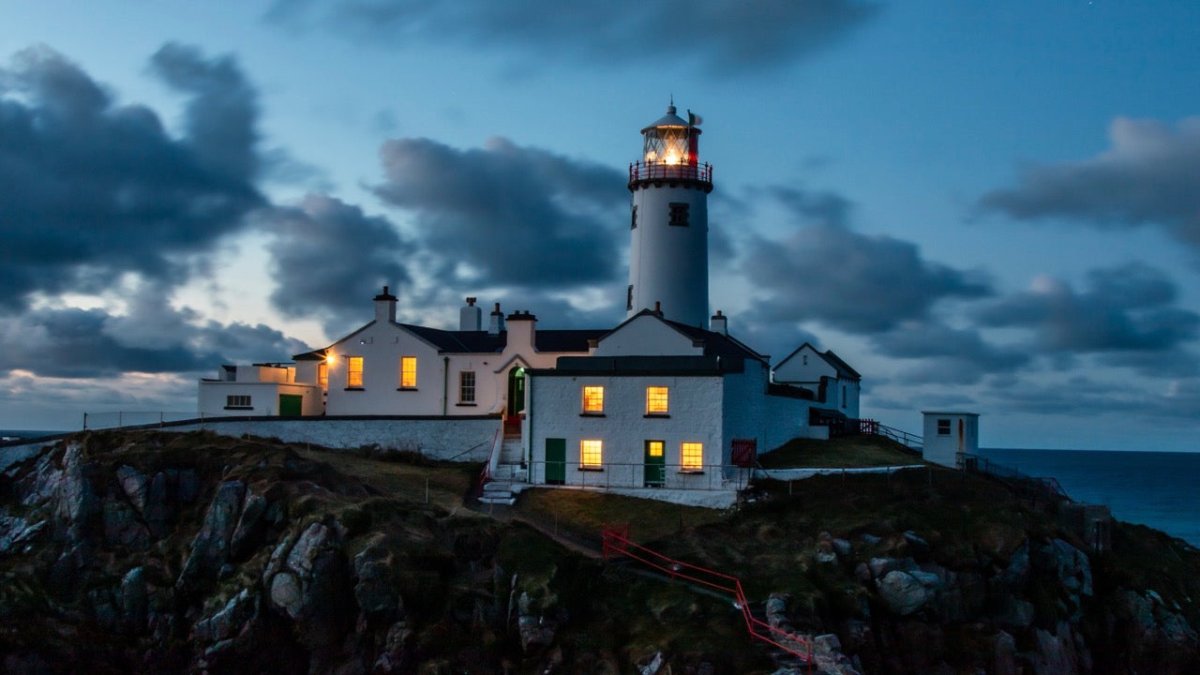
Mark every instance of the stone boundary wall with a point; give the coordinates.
(460, 439)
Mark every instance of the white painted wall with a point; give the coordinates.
(381, 345)
(464, 440)
(805, 366)
(264, 397)
(943, 449)
(669, 264)
(695, 416)
(646, 336)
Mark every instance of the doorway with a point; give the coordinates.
(655, 472)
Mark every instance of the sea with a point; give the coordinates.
(1159, 489)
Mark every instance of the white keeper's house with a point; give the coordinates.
(667, 402)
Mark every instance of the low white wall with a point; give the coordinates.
(462, 440)
(802, 473)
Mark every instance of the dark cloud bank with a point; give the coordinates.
(1150, 176)
(90, 189)
(725, 37)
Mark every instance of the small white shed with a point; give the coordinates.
(948, 433)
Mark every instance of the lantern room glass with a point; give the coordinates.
(667, 145)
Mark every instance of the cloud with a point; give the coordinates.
(510, 215)
(1150, 175)
(854, 282)
(329, 259)
(1126, 308)
(718, 36)
(90, 189)
(149, 337)
(946, 354)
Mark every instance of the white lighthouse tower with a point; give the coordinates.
(668, 257)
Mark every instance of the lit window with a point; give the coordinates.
(679, 214)
(593, 400)
(591, 454)
(237, 402)
(466, 386)
(656, 401)
(354, 372)
(408, 372)
(943, 427)
(691, 457)
(323, 375)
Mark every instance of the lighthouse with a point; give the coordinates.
(668, 254)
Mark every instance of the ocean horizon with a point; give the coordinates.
(1155, 488)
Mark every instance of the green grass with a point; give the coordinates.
(586, 513)
(846, 452)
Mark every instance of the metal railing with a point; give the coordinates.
(616, 543)
(136, 418)
(661, 171)
(1047, 486)
(902, 437)
(625, 475)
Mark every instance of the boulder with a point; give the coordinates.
(375, 589)
(250, 526)
(135, 486)
(1004, 655)
(210, 548)
(133, 599)
(1055, 651)
(228, 621)
(902, 592)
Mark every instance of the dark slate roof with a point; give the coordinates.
(314, 355)
(841, 366)
(642, 365)
(717, 344)
(480, 341)
(788, 391)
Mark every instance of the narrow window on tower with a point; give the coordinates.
(633, 218)
(679, 214)
(629, 298)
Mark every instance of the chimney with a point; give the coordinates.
(717, 324)
(658, 308)
(521, 329)
(496, 324)
(470, 317)
(385, 307)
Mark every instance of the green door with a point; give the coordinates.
(290, 405)
(656, 464)
(556, 461)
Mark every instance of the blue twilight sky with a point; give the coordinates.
(983, 205)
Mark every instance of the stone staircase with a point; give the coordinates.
(509, 477)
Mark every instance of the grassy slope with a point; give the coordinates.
(848, 452)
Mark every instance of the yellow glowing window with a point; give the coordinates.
(654, 448)
(657, 401)
(591, 454)
(323, 375)
(354, 371)
(593, 400)
(692, 457)
(408, 372)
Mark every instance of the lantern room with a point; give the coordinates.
(671, 140)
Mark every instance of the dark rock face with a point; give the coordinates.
(172, 554)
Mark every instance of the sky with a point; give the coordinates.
(984, 206)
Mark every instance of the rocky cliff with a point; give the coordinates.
(152, 552)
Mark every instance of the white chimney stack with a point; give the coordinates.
(496, 324)
(718, 324)
(470, 317)
(385, 307)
